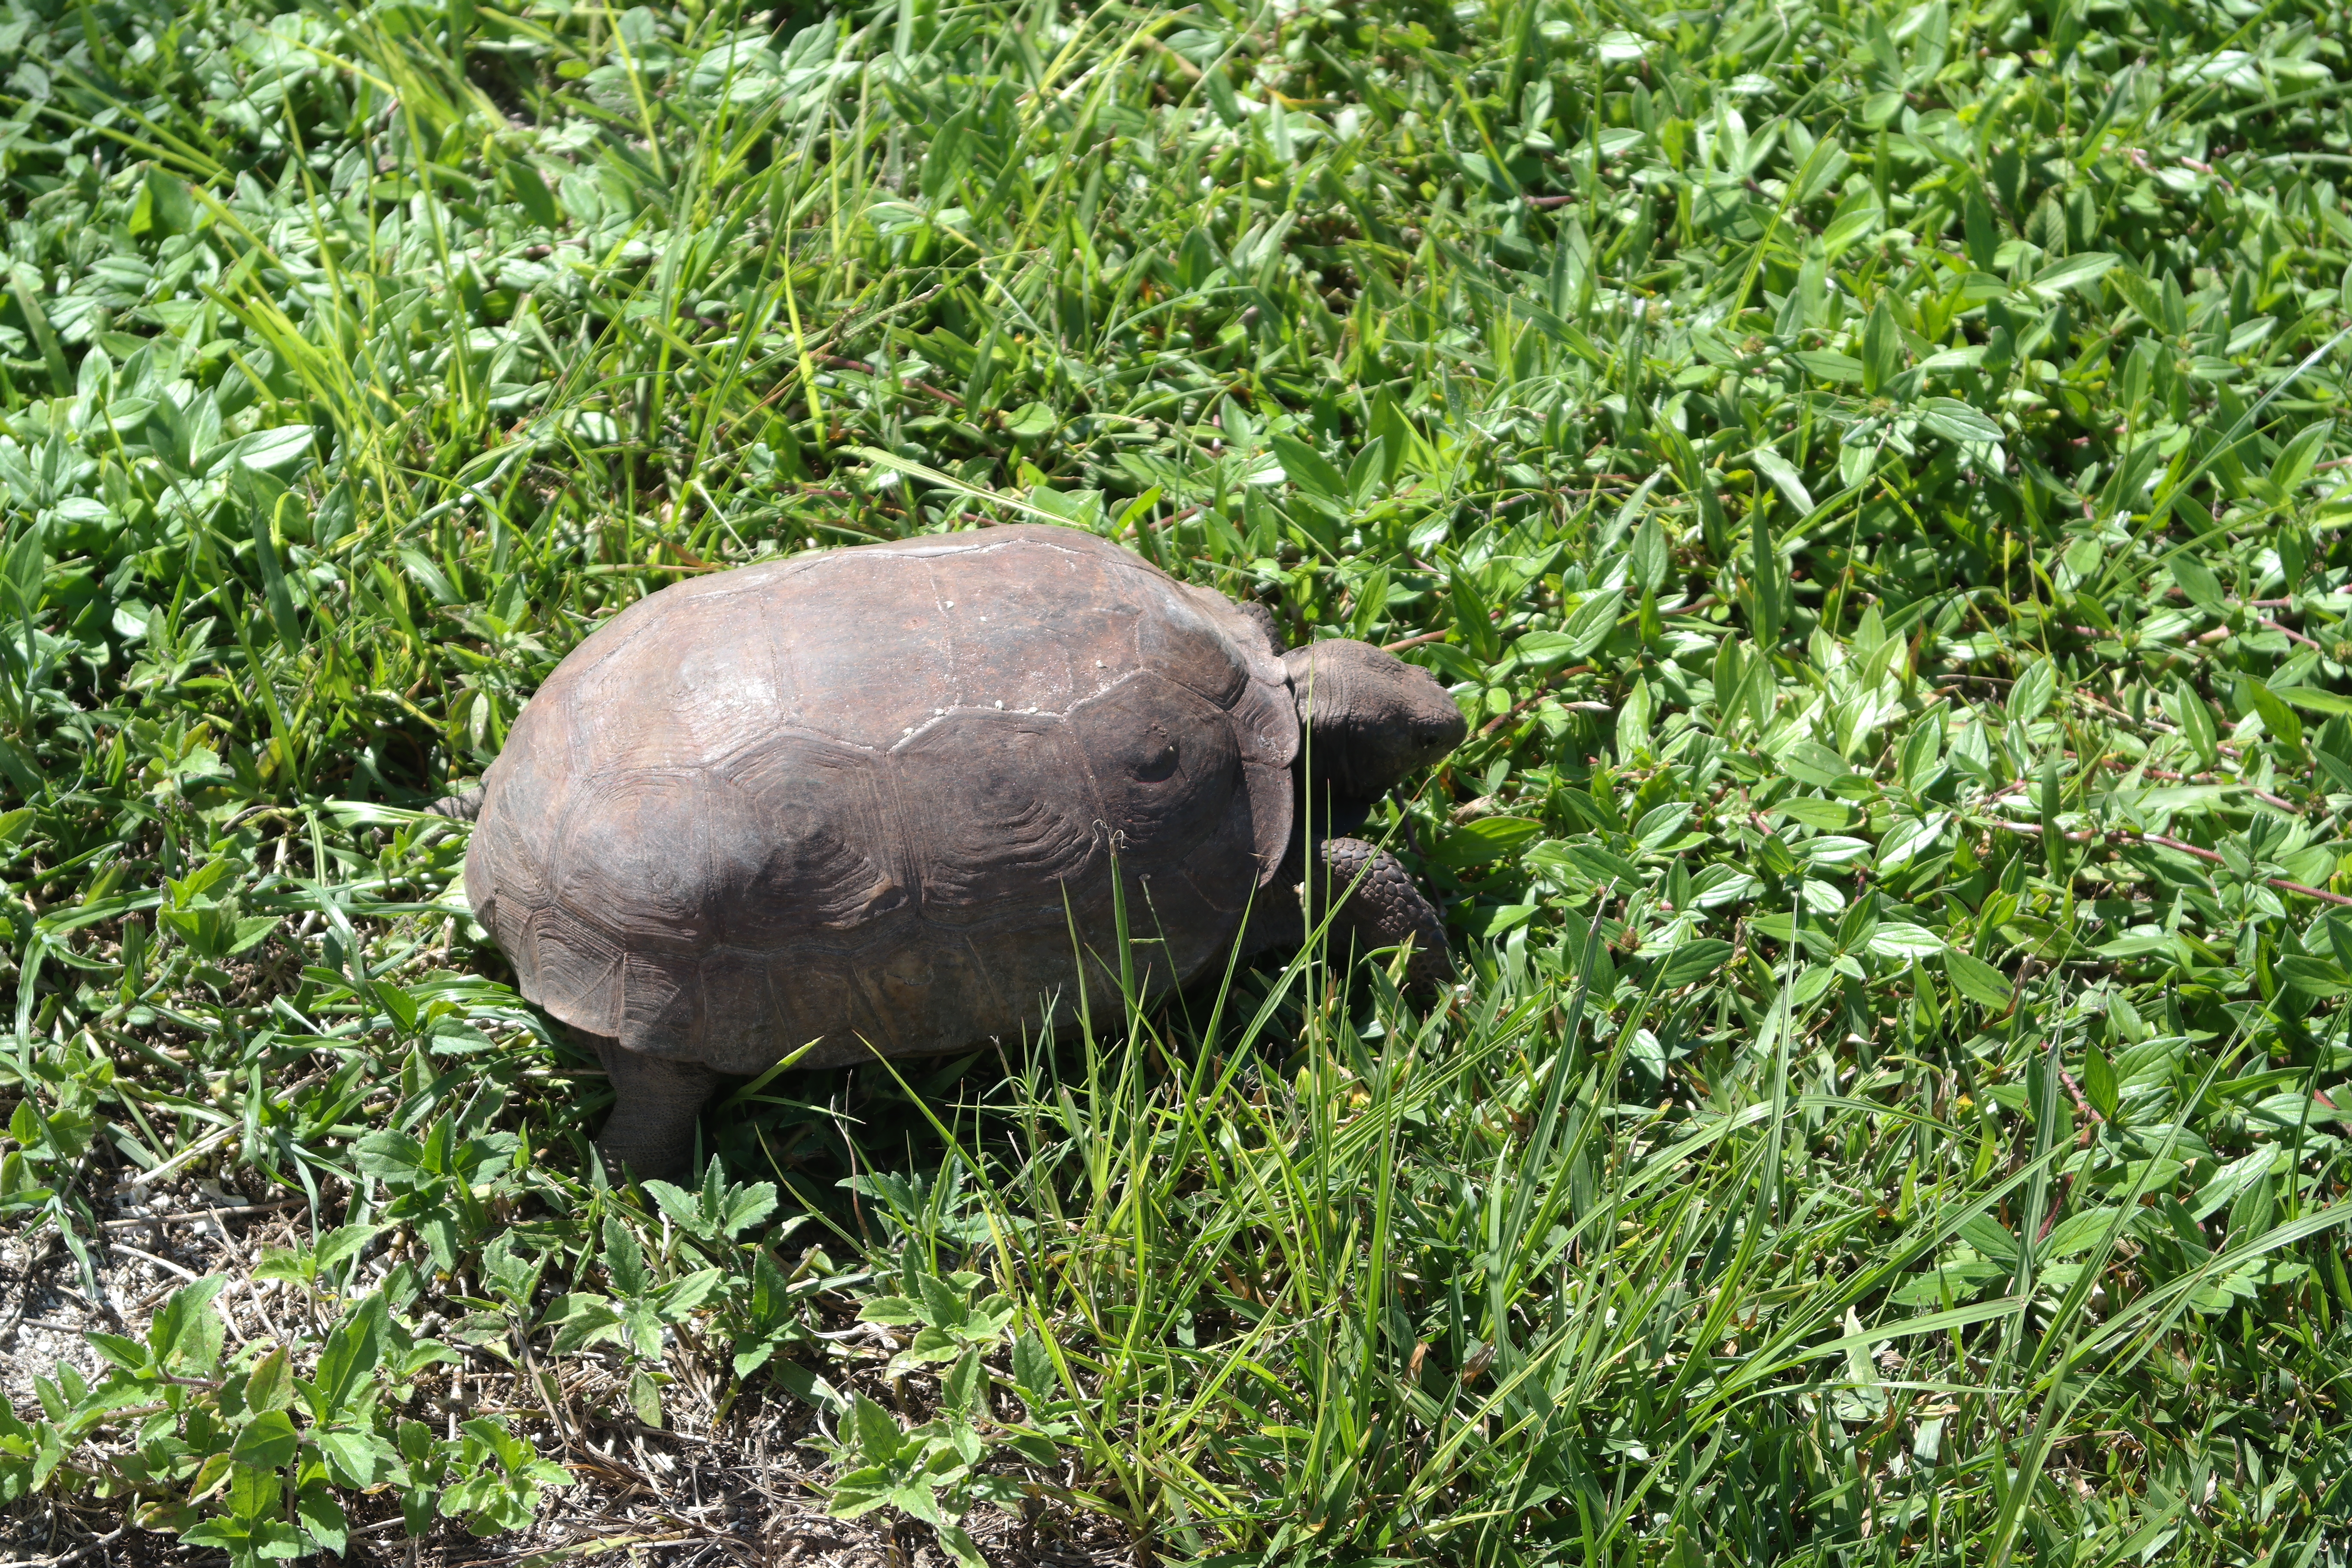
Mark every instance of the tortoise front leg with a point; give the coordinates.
(1385, 909)
(655, 1105)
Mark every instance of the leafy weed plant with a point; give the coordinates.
(1869, 473)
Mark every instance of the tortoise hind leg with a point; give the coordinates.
(655, 1105)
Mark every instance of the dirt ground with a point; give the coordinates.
(702, 1492)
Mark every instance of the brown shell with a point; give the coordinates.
(866, 796)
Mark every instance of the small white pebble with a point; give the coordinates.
(1000, 703)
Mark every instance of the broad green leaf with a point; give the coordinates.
(1030, 421)
(1545, 652)
(1827, 815)
(1660, 823)
(2204, 590)
(1843, 232)
(322, 1518)
(270, 1384)
(263, 450)
(1908, 839)
(874, 1431)
(2099, 1084)
(389, 1156)
(1957, 421)
(1897, 939)
(625, 1260)
(2071, 272)
(1488, 838)
(2031, 694)
(1881, 347)
(1697, 960)
(1590, 622)
(1309, 470)
(1784, 476)
(1828, 365)
(1975, 979)
(187, 1330)
(267, 1442)
(2315, 700)
(1652, 558)
(2278, 717)
(2195, 722)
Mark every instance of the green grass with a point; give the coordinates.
(1869, 475)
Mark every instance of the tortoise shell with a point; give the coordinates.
(872, 799)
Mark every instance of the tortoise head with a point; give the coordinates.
(1371, 719)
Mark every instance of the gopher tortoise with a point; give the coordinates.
(868, 802)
